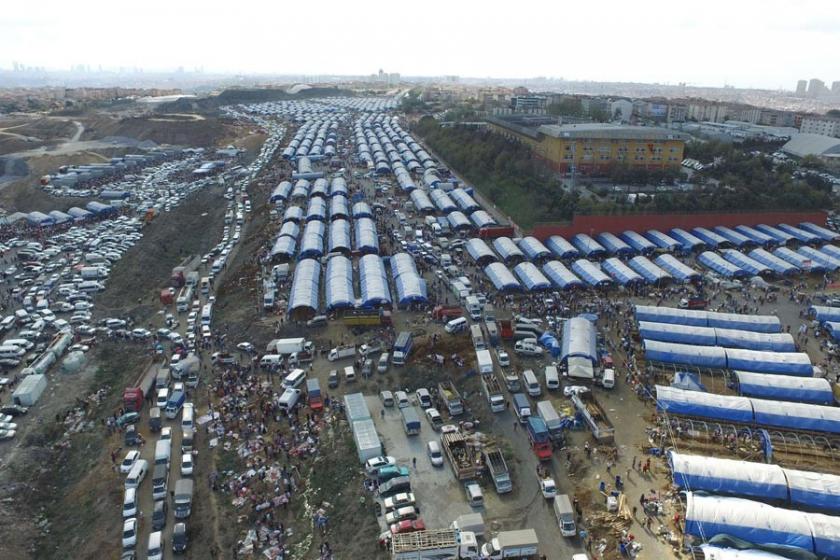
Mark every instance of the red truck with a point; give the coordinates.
(505, 328)
(492, 232)
(693, 303)
(134, 395)
(166, 297)
(313, 391)
(538, 435)
(444, 313)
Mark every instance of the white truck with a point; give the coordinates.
(493, 392)
(435, 544)
(485, 361)
(284, 346)
(93, 273)
(341, 352)
(512, 544)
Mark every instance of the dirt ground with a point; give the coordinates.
(22, 133)
(207, 132)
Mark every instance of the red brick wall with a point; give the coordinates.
(594, 224)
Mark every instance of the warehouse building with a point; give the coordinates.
(824, 147)
(594, 147)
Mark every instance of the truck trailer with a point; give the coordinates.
(512, 544)
(434, 544)
(595, 416)
(463, 455)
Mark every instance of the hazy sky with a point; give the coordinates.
(746, 43)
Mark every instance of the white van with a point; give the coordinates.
(13, 352)
(163, 450)
(456, 325)
(532, 384)
(90, 286)
(187, 417)
(270, 360)
(288, 399)
(130, 503)
(475, 497)
(155, 549)
(552, 378)
(137, 473)
(608, 378)
(384, 359)
(350, 374)
(294, 379)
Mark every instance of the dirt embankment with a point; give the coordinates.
(18, 134)
(208, 132)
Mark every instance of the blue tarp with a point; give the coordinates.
(561, 276)
(312, 242)
(742, 261)
(774, 263)
(757, 237)
(737, 238)
(679, 334)
(502, 279)
(305, 285)
(775, 233)
(362, 209)
(710, 336)
(662, 240)
(587, 246)
(561, 248)
(688, 241)
(824, 313)
(421, 201)
(373, 282)
(707, 357)
(281, 192)
(367, 240)
(688, 381)
(479, 251)
(636, 240)
(801, 235)
(531, 278)
(814, 390)
(822, 232)
(797, 416)
(621, 273)
(590, 273)
(458, 220)
(442, 200)
(533, 248)
(676, 268)
(614, 245)
(482, 219)
(703, 405)
(507, 249)
(728, 476)
(832, 250)
(339, 209)
(798, 260)
(340, 236)
(464, 201)
(833, 329)
(549, 342)
(339, 283)
(317, 210)
(651, 272)
(579, 340)
(715, 262)
(823, 259)
(710, 238)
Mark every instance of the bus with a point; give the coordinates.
(206, 314)
(184, 299)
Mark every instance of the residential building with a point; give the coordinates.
(622, 110)
(595, 147)
(825, 126)
(816, 87)
(528, 103)
(677, 112)
(801, 87)
(707, 111)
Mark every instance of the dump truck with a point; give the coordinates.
(493, 392)
(367, 318)
(512, 544)
(538, 436)
(463, 455)
(498, 469)
(451, 397)
(595, 416)
(143, 386)
(434, 544)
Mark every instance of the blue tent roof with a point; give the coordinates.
(736, 238)
(777, 265)
(284, 247)
(293, 214)
(339, 284)
(778, 235)
(752, 266)
(421, 201)
(587, 246)
(824, 313)
(340, 236)
(621, 273)
(312, 242)
(305, 285)
(464, 201)
(662, 240)
(801, 235)
(822, 232)
(758, 237)
(458, 220)
(338, 187)
(823, 259)
(482, 219)
(638, 242)
(816, 390)
(832, 250)
(533, 248)
(798, 260)
(479, 251)
(710, 238)
(579, 340)
(561, 248)
(833, 328)
(703, 405)
(339, 209)
(507, 249)
(688, 241)
(362, 209)
(280, 192)
(651, 272)
(317, 210)
(678, 334)
(367, 240)
(590, 273)
(728, 476)
(720, 265)
(501, 277)
(677, 268)
(411, 288)
(532, 279)
(614, 245)
(709, 357)
(373, 282)
(782, 363)
(561, 276)
(442, 201)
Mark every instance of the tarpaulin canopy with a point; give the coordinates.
(736, 238)
(579, 340)
(289, 229)
(712, 357)
(561, 276)
(832, 328)
(621, 273)
(742, 261)
(758, 237)
(728, 476)
(654, 314)
(663, 240)
(340, 236)
(718, 553)
(464, 201)
(709, 336)
(421, 201)
(677, 268)
(319, 188)
(823, 233)
(720, 265)
(442, 200)
(284, 247)
(814, 490)
(579, 367)
(293, 213)
(649, 271)
(317, 210)
(688, 241)
(502, 279)
(587, 246)
(312, 242)
(373, 282)
(362, 209)
(679, 334)
(533, 248)
(750, 340)
(338, 186)
(796, 416)
(824, 313)
(710, 238)
(737, 321)
(636, 240)
(306, 285)
(339, 208)
(774, 263)
(798, 260)
(779, 236)
(614, 245)
(703, 405)
(367, 240)
(479, 251)
(481, 219)
(280, 192)
(411, 288)
(823, 259)
(339, 283)
(832, 250)
(590, 273)
(783, 363)
(458, 220)
(507, 249)
(785, 387)
(531, 278)
(801, 235)
(561, 248)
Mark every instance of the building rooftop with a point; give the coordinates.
(610, 131)
(802, 145)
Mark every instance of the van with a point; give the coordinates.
(271, 360)
(187, 439)
(532, 385)
(456, 325)
(11, 352)
(552, 378)
(395, 486)
(155, 549)
(382, 365)
(154, 419)
(130, 503)
(289, 399)
(163, 449)
(608, 378)
(137, 474)
(90, 286)
(350, 374)
(187, 417)
(387, 398)
(294, 379)
(475, 497)
(160, 476)
(565, 514)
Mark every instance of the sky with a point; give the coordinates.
(745, 43)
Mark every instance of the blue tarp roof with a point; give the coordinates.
(561, 276)
(362, 209)
(317, 210)
(531, 278)
(778, 235)
(707, 357)
(305, 285)
(561, 248)
(639, 242)
(738, 239)
(590, 273)
(822, 232)
(458, 220)
(679, 334)
(281, 192)
(339, 208)
(710, 336)
(699, 318)
(533, 248)
(798, 260)
(482, 219)
(442, 201)
(833, 328)
(502, 278)
(758, 237)
(587, 246)
(289, 229)
(688, 241)
(339, 283)
(824, 313)
(621, 273)
(507, 249)
(823, 259)
(728, 476)
(464, 201)
(284, 247)
(676, 268)
(293, 213)
(662, 240)
(832, 250)
(816, 390)
(614, 245)
(774, 263)
(373, 282)
(367, 240)
(479, 251)
(411, 288)
(421, 201)
(710, 238)
(338, 186)
(579, 340)
(651, 272)
(742, 261)
(801, 235)
(782, 363)
(703, 405)
(720, 265)
(340, 236)
(312, 242)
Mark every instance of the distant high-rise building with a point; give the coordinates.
(816, 87)
(801, 87)
(835, 87)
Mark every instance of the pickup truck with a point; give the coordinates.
(693, 303)
(444, 314)
(341, 352)
(498, 469)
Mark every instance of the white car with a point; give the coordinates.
(548, 488)
(402, 399)
(130, 458)
(129, 534)
(186, 464)
(246, 347)
(141, 334)
(503, 358)
(7, 434)
(373, 465)
(8, 426)
(166, 433)
(435, 454)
